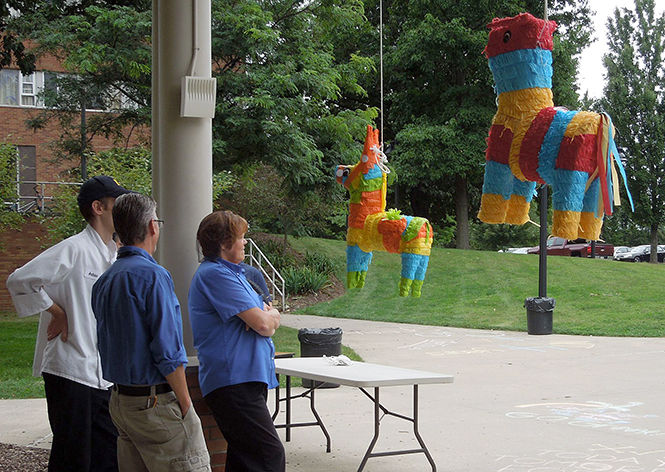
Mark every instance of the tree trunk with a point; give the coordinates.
(461, 214)
(654, 243)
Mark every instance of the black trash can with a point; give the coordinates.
(319, 342)
(539, 314)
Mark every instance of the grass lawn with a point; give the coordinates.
(469, 289)
(478, 289)
(17, 345)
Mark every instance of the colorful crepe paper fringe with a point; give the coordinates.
(530, 141)
(372, 228)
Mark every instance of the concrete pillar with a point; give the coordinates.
(182, 147)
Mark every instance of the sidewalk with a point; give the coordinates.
(518, 403)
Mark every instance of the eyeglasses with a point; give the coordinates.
(159, 222)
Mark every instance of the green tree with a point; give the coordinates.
(9, 217)
(130, 167)
(281, 84)
(263, 198)
(440, 99)
(635, 98)
(106, 51)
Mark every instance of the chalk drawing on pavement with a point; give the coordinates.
(592, 415)
(596, 458)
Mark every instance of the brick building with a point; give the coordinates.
(36, 171)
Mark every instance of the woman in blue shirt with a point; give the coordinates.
(232, 328)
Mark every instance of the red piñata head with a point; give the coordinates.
(523, 31)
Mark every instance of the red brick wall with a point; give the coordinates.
(213, 436)
(13, 130)
(16, 248)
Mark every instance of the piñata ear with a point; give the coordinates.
(366, 161)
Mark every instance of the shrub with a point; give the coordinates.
(320, 263)
(277, 253)
(300, 280)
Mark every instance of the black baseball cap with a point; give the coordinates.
(99, 187)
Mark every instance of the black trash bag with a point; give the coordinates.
(539, 314)
(319, 342)
(539, 304)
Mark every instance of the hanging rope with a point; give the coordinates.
(381, 63)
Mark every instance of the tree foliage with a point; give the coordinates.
(130, 167)
(289, 94)
(264, 198)
(9, 217)
(280, 87)
(107, 54)
(635, 98)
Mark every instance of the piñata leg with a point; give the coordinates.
(497, 189)
(357, 262)
(591, 219)
(567, 198)
(410, 268)
(520, 201)
(419, 276)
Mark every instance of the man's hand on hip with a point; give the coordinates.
(58, 324)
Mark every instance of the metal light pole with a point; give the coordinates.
(542, 262)
(539, 310)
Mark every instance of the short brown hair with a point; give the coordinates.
(86, 208)
(219, 228)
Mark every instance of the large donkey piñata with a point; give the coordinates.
(531, 141)
(372, 229)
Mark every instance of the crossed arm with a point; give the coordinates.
(265, 322)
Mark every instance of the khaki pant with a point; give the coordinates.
(157, 438)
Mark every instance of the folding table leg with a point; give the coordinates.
(415, 429)
(274, 415)
(318, 420)
(378, 408)
(377, 423)
(288, 408)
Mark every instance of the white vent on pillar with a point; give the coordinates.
(197, 97)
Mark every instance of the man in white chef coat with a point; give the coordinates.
(58, 285)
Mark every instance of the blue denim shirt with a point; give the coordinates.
(229, 354)
(139, 327)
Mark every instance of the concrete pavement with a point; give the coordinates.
(519, 403)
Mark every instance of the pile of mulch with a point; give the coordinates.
(23, 459)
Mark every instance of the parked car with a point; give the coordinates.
(576, 248)
(642, 253)
(620, 250)
(517, 250)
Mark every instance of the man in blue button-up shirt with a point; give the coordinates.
(140, 344)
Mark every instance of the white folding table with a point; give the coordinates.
(361, 375)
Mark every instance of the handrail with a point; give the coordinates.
(274, 278)
(36, 201)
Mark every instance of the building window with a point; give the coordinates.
(28, 90)
(27, 176)
(9, 87)
(20, 90)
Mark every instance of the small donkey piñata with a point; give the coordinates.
(371, 228)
